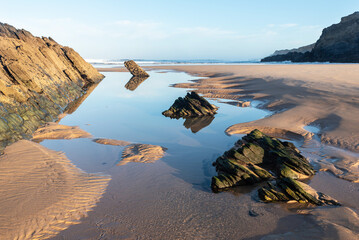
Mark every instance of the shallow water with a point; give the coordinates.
(171, 198)
(112, 111)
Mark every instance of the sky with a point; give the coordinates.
(171, 29)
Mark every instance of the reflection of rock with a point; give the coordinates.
(255, 155)
(288, 189)
(134, 82)
(56, 131)
(197, 123)
(113, 142)
(134, 69)
(192, 105)
(144, 153)
(42, 192)
(38, 79)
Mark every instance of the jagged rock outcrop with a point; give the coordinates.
(256, 158)
(288, 189)
(338, 43)
(135, 70)
(192, 105)
(38, 79)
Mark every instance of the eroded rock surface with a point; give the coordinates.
(288, 189)
(255, 158)
(38, 79)
(192, 105)
(135, 70)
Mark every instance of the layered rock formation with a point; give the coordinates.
(254, 157)
(257, 158)
(38, 79)
(288, 189)
(134, 69)
(192, 105)
(338, 43)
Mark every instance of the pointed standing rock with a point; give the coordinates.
(192, 105)
(135, 70)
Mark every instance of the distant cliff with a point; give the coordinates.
(304, 49)
(338, 43)
(38, 79)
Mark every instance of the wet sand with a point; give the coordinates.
(141, 202)
(42, 192)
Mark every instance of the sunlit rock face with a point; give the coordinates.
(135, 70)
(339, 43)
(38, 79)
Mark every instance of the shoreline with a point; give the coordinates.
(297, 95)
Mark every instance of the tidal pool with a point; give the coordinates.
(170, 198)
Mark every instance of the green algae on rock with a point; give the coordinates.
(257, 158)
(287, 189)
(192, 105)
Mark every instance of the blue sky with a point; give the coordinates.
(172, 29)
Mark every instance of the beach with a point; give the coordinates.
(319, 96)
(105, 186)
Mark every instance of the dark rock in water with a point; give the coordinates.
(134, 82)
(338, 43)
(255, 158)
(134, 69)
(192, 105)
(39, 78)
(288, 189)
(198, 123)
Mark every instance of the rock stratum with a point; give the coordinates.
(192, 105)
(38, 79)
(135, 70)
(338, 43)
(258, 158)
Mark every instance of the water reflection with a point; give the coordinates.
(198, 123)
(134, 82)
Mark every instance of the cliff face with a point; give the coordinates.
(38, 79)
(338, 43)
(304, 49)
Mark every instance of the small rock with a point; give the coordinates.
(134, 69)
(192, 105)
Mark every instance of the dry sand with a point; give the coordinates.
(112, 142)
(42, 192)
(57, 131)
(144, 153)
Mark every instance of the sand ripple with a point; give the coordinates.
(144, 153)
(42, 192)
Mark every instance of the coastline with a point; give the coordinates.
(298, 95)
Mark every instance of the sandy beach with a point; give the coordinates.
(140, 195)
